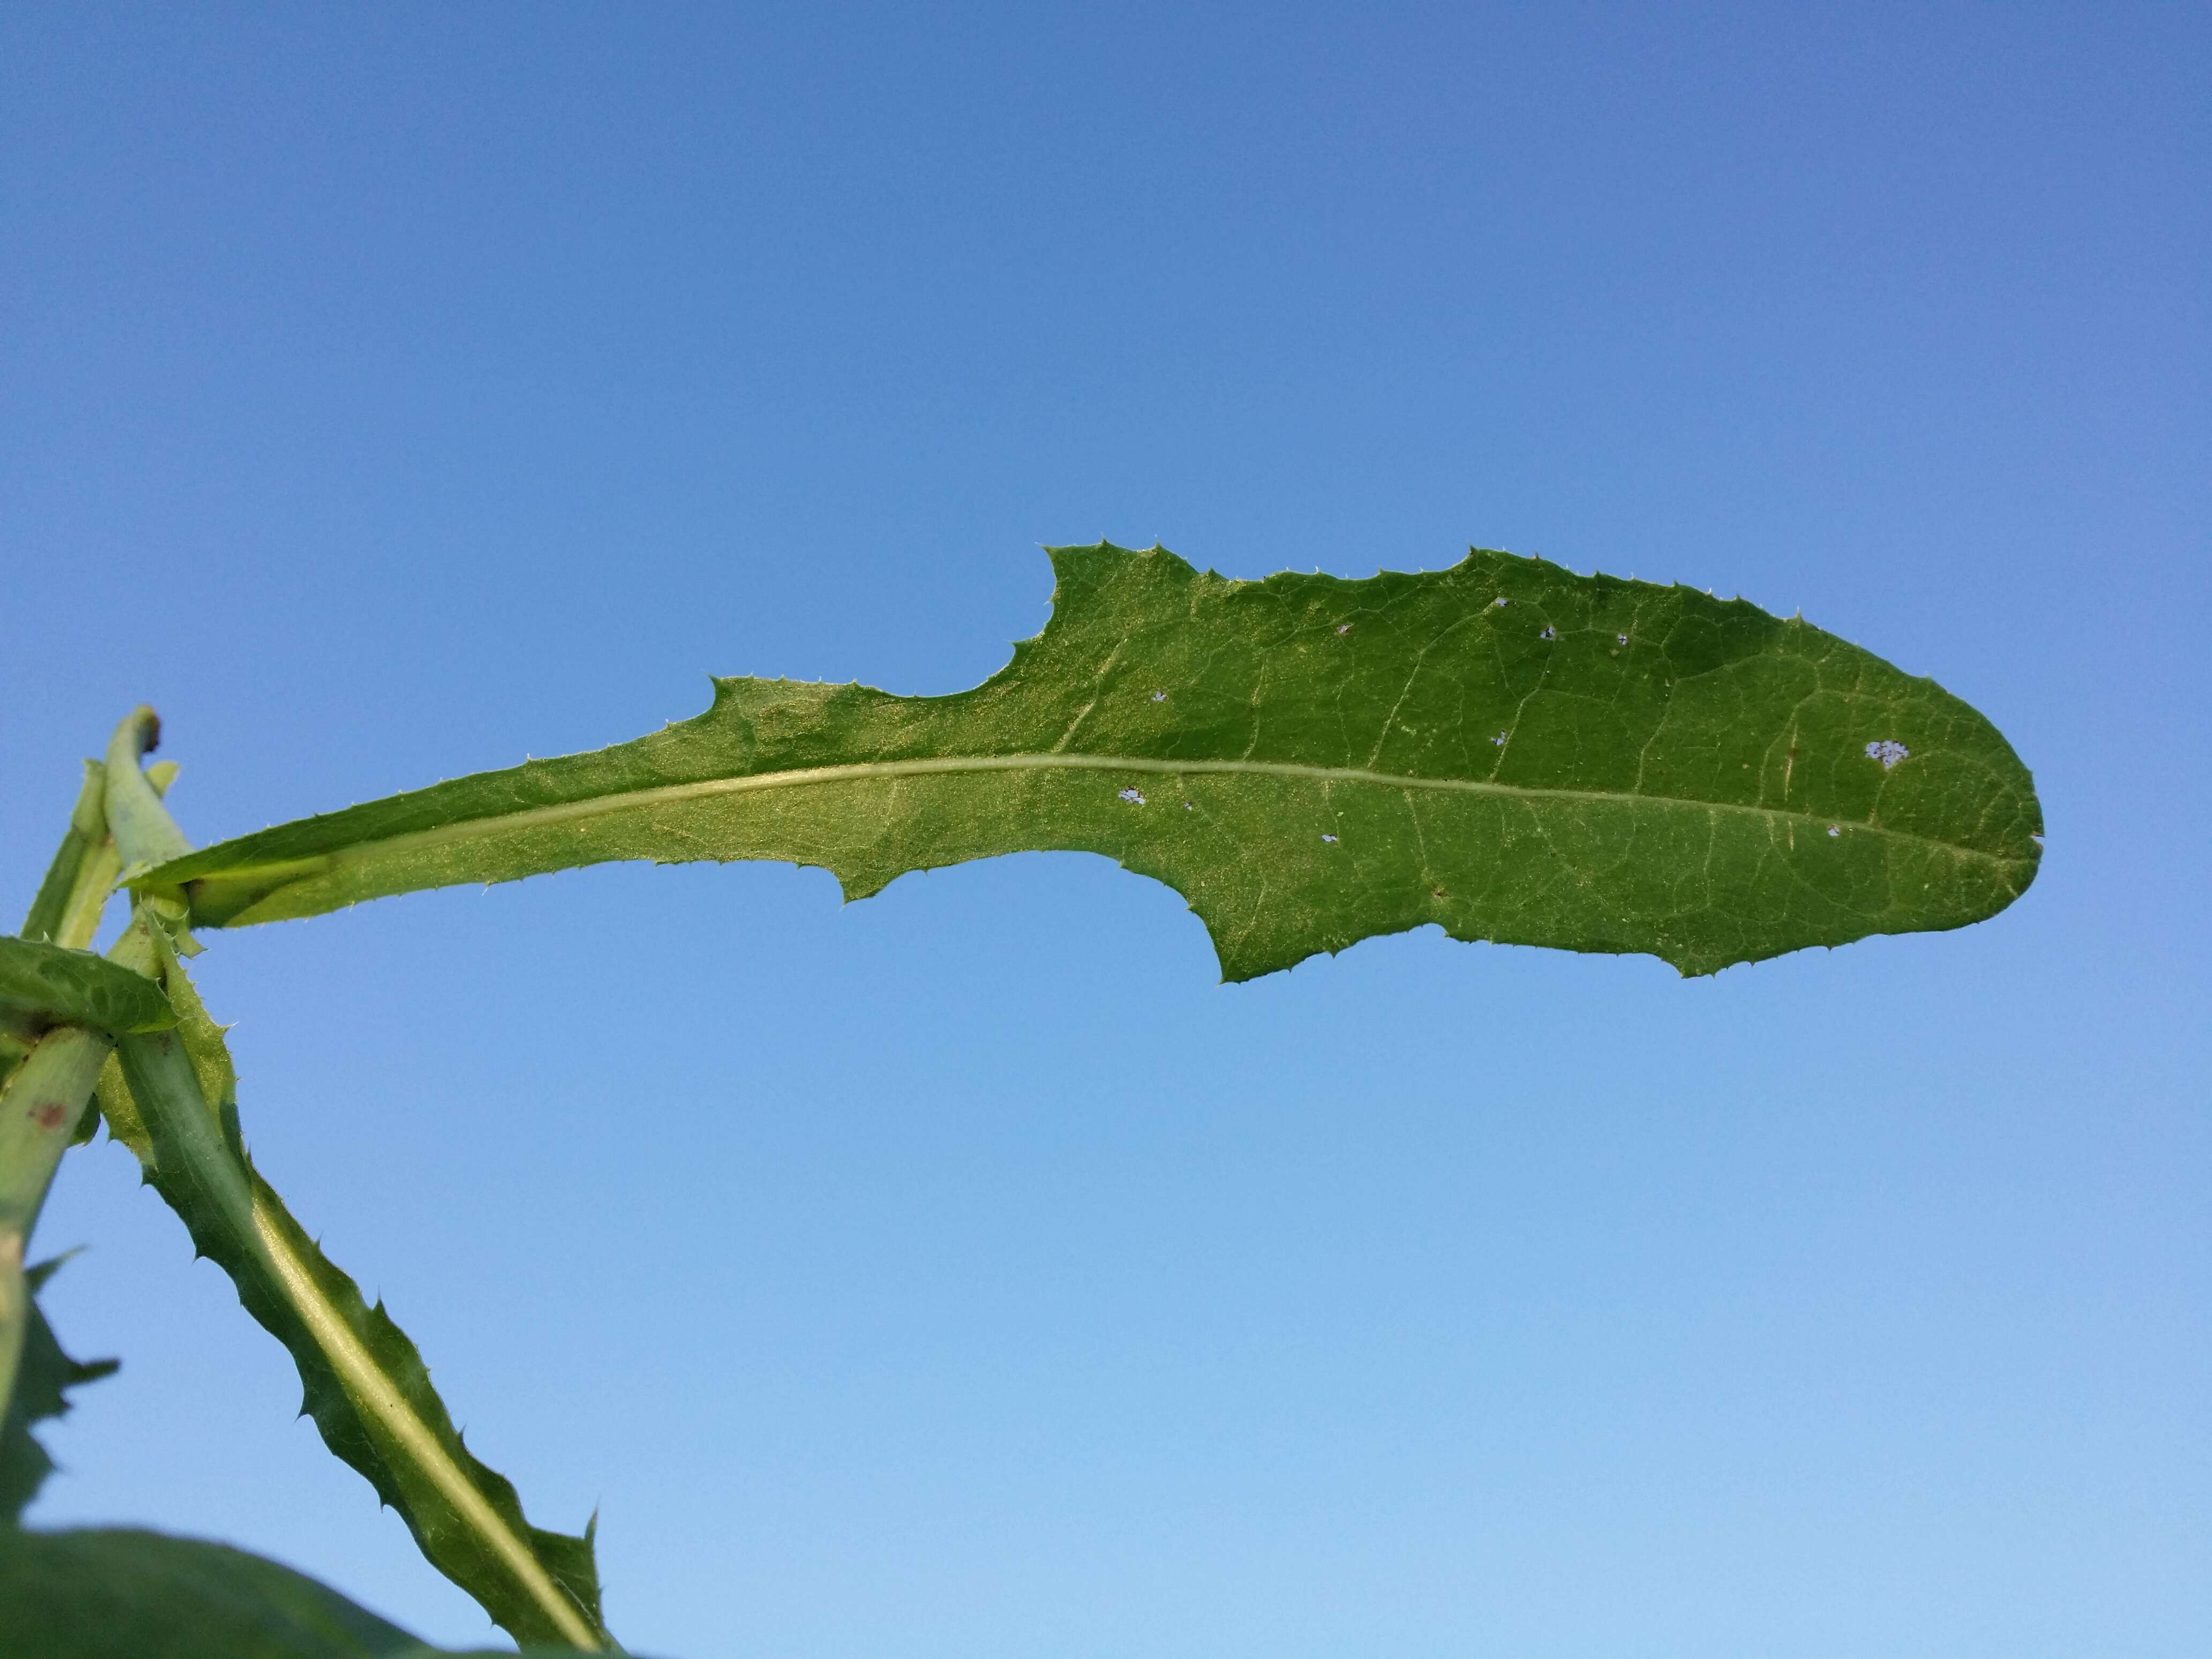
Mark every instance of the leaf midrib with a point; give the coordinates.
(468, 828)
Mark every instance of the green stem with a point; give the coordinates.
(45, 1094)
(38, 1111)
(366, 1384)
(71, 901)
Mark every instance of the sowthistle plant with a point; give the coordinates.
(1503, 749)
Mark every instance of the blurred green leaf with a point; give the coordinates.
(122, 1593)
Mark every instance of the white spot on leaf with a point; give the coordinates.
(1133, 795)
(1328, 838)
(1888, 751)
(1549, 633)
(1835, 830)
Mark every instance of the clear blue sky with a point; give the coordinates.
(390, 392)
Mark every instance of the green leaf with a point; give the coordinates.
(1504, 749)
(118, 1593)
(75, 893)
(88, 828)
(50, 986)
(43, 1378)
(366, 1385)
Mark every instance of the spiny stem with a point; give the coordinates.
(366, 1385)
